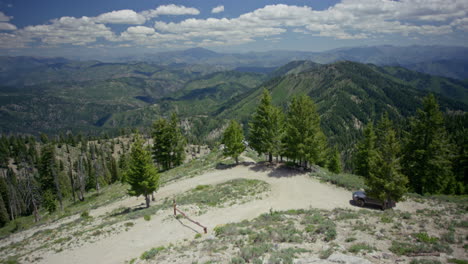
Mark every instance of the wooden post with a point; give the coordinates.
(175, 211)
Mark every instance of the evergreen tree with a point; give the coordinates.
(114, 170)
(304, 140)
(427, 151)
(334, 164)
(366, 152)
(141, 174)
(233, 138)
(385, 180)
(178, 142)
(162, 143)
(4, 217)
(5, 194)
(169, 142)
(47, 167)
(49, 178)
(266, 128)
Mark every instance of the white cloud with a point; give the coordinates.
(217, 9)
(4, 18)
(170, 10)
(125, 16)
(7, 26)
(349, 19)
(68, 30)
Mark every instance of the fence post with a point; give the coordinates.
(174, 203)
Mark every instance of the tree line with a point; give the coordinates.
(295, 135)
(40, 175)
(423, 158)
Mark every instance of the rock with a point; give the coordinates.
(386, 255)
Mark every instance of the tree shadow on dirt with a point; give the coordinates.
(223, 166)
(128, 210)
(278, 170)
(367, 206)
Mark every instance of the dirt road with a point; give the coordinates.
(289, 190)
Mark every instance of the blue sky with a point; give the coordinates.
(113, 28)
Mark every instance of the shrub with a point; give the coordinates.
(197, 235)
(425, 238)
(147, 217)
(256, 251)
(151, 253)
(360, 247)
(237, 260)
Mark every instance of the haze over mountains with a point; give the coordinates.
(437, 60)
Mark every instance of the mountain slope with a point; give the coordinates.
(348, 95)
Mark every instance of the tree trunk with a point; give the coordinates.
(270, 157)
(147, 199)
(152, 197)
(237, 160)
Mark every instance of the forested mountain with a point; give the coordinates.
(83, 98)
(348, 95)
(94, 97)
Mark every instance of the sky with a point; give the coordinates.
(113, 28)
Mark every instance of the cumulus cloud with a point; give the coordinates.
(170, 10)
(125, 16)
(68, 30)
(4, 18)
(217, 9)
(348, 19)
(4, 25)
(7, 26)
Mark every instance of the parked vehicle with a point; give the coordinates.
(361, 199)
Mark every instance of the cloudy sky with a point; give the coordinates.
(123, 27)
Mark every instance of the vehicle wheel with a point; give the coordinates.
(360, 202)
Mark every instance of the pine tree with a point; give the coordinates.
(266, 128)
(334, 164)
(162, 143)
(114, 170)
(178, 142)
(366, 152)
(427, 151)
(47, 166)
(4, 193)
(169, 142)
(141, 174)
(4, 217)
(304, 140)
(233, 138)
(385, 180)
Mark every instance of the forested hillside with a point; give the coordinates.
(348, 96)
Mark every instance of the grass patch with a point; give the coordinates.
(220, 194)
(147, 217)
(345, 180)
(457, 261)
(404, 248)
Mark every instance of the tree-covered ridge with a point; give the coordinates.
(348, 95)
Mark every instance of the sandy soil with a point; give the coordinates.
(289, 190)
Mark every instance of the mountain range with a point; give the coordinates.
(436, 60)
(56, 95)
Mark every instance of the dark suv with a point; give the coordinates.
(360, 199)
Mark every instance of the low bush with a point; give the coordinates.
(151, 253)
